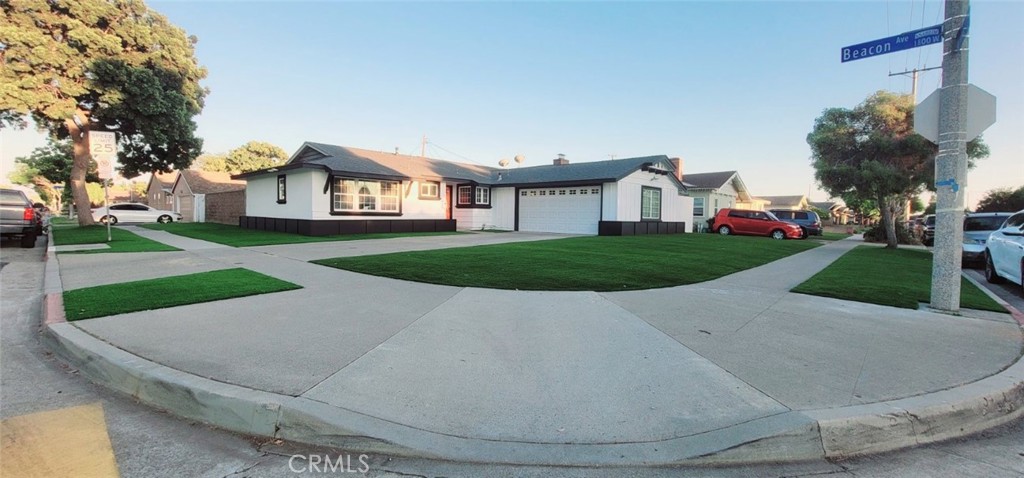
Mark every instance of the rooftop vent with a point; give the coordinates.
(561, 161)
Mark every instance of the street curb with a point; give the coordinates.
(790, 436)
(53, 289)
(1016, 314)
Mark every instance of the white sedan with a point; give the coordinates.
(1004, 252)
(133, 212)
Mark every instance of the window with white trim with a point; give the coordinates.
(430, 190)
(698, 207)
(356, 195)
(650, 204)
(483, 195)
(465, 194)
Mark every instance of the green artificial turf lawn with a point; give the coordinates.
(900, 278)
(151, 294)
(122, 240)
(237, 237)
(581, 263)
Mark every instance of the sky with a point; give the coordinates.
(725, 85)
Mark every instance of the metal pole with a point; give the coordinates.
(951, 163)
(106, 204)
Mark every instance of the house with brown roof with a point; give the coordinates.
(325, 189)
(201, 196)
(158, 191)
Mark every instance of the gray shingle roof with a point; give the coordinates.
(784, 201)
(708, 180)
(375, 164)
(613, 170)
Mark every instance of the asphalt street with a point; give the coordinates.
(148, 443)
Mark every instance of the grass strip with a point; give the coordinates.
(832, 236)
(165, 292)
(598, 263)
(237, 237)
(121, 240)
(898, 278)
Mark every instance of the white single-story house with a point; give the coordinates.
(717, 190)
(325, 189)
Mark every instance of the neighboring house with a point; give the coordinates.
(792, 203)
(714, 191)
(158, 192)
(194, 191)
(325, 189)
(838, 212)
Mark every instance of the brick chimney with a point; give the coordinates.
(678, 163)
(561, 161)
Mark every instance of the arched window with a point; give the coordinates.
(367, 200)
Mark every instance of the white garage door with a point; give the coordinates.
(574, 210)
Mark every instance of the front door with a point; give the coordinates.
(448, 202)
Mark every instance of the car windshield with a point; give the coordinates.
(983, 223)
(772, 216)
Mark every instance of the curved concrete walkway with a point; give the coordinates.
(735, 369)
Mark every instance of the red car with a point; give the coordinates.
(754, 223)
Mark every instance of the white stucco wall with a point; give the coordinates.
(261, 195)
(473, 218)
(674, 208)
(503, 208)
(307, 199)
(609, 202)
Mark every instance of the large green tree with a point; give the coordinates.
(1002, 200)
(872, 152)
(113, 65)
(254, 155)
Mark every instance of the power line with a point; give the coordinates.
(431, 143)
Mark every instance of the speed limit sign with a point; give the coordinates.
(103, 149)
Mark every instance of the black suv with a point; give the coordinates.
(928, 235)
(807, 220)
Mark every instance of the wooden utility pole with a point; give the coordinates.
(913, 73)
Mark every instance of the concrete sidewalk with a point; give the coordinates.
(732, 370)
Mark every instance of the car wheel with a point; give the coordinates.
(164, 219)
(111, 219)
(990, 271)
(803, 233)
(28, 241)
(778, 235)
(724, 230)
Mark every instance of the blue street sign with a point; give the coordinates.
(903, 41)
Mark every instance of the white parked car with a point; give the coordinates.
(133, 212)
(1004, 252)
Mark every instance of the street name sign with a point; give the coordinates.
(903, 41)
(103, 149)
(981, 113)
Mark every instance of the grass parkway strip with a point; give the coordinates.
(121, 240)
(237, 237)
(580, 263)
(898, 278)
(165, 292)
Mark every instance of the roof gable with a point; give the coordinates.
(163, 180)
(709, 180)
(207, 182)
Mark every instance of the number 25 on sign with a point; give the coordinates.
(103, 149)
